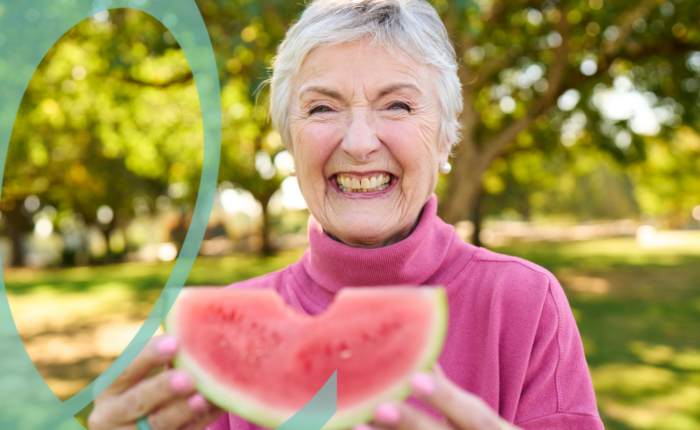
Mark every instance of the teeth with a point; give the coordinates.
(366, 184)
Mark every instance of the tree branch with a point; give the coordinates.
(488, 69)
(180, 80)
(497, 10)
(471, 81)
(557, 72)
(612, 48)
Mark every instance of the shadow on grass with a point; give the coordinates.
(637, 310)
(75, 321)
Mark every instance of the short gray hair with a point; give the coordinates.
(411, 26)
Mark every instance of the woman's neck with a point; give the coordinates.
(373, 243)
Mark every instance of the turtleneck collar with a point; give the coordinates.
(332, 265)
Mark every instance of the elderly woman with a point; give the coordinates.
(366, 96)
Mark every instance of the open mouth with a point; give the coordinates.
(350, 183)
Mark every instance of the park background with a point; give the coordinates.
(581, 152)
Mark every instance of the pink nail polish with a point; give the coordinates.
(181, 382)
(168, 345)
(387, 413)
(197, 402)
(423, 384)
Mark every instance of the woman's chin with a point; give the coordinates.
(367, 230)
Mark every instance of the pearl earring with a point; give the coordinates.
(292, 171)
(445, 168)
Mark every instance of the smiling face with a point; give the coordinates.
(365, 128)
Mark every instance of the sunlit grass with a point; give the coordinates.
(637, 308)
(74, 322)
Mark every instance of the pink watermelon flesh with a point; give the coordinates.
(269, 360)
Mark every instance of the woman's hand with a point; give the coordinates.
(168, 399)
(461, 410)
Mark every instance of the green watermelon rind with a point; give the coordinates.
(402, 389)
(270, 417)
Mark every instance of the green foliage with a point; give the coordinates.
(667, 185)
(112, 113)
(112, 117)
(546, 72)
(584, 184)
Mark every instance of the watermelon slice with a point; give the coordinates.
(260, 359)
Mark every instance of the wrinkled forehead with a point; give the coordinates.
(343, 68)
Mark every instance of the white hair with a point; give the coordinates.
(409, 26)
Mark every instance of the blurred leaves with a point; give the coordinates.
(569, 76)
(112, 113)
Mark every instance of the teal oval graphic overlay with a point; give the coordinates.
(28, 29)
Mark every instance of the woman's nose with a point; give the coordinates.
(361, 140)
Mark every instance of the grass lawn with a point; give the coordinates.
(638, 310)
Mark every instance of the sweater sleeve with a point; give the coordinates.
(220, 424)
(557, 391)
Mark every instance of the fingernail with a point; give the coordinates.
(168, 345)
(181, 382)
(197, 402)
(387, 414)
(423, 384)
(363, 427)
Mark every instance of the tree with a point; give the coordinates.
(667, 185)
(521, 57)
(518, 58)
(115, 99)
(110, 116)
(245, 36)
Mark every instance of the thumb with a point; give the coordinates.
(437, 370)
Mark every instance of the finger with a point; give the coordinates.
(206, 418)
(150, 394)
(404, 417)
(157, 352)
(438, 370)
(463, 410)
(179, 413)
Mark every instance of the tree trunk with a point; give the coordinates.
(465, 184)
(267, 247)
(109, 257)
(18, 225)
(477, 216)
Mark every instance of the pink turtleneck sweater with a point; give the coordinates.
(511, 340)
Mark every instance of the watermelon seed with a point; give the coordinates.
(345, 354)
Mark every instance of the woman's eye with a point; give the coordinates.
(319, 109)
(400, 105)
